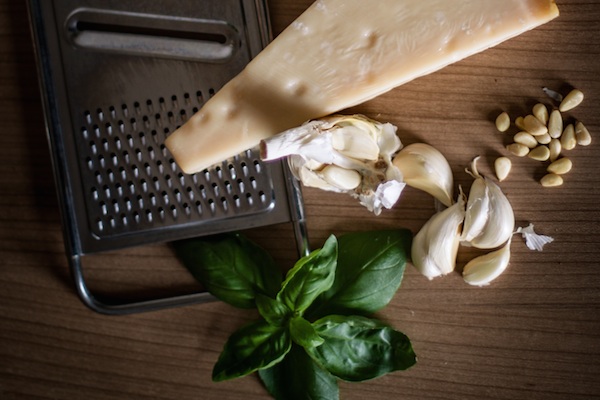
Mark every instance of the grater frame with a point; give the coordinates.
(118, 187)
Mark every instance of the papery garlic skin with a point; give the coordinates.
(533, 240)
(435, 246)
(481, 270)
(425, 168)
(319, 150)
(489, 219)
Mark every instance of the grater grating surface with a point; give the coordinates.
(133, 184)
(117, 78)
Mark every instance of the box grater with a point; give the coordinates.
(117, 77)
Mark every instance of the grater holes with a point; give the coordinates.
(127, 159)
(89, 162)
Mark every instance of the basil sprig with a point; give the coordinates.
(315, 327)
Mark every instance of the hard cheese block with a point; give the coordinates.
(340, 53)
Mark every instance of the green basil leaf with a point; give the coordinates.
(298, 377)
(358, 348)
(231, 267)
(304, 333)
(273, 311)
(369, 272)
(255, 346)
(311, 276)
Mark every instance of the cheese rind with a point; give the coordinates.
(340, 53)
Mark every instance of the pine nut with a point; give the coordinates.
(518, 149)
(568, 139)
(526, 139)
(503, 122)
(502, 166)
(520, 123)
(551, 180)
(572, 100)
(555, 149)
(560, 166)
(543, 139)
(540, 153)
(582, 134)
(541, 113)
(555, 124)
(534, 126)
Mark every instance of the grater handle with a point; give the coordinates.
(152, 35)
(124, 308)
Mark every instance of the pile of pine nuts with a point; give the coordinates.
(542, 137)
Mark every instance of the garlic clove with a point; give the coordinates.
(489, 218)
(481, 270)
(425, 168)
(352, 142)
(477, 212)
(435, 246)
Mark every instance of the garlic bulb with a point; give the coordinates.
(344, 154)
(424, 167)
(435, 246)
(481, 270)
(489, 219)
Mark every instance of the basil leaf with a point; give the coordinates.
(273, 311)
(231, 267)
(369, 272)
(298, 377)
(311, 276)
(304, 333)
(358, 348)
(255, 346)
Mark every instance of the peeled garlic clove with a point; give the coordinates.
(435, 246)
(481, 270)
(342, 178)
(489, 218)
(425, 168)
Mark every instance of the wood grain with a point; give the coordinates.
(533, 334)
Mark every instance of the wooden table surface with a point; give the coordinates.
(533, 334)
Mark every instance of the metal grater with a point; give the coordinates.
(117, 78)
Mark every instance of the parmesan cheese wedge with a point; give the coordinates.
(340, 53)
